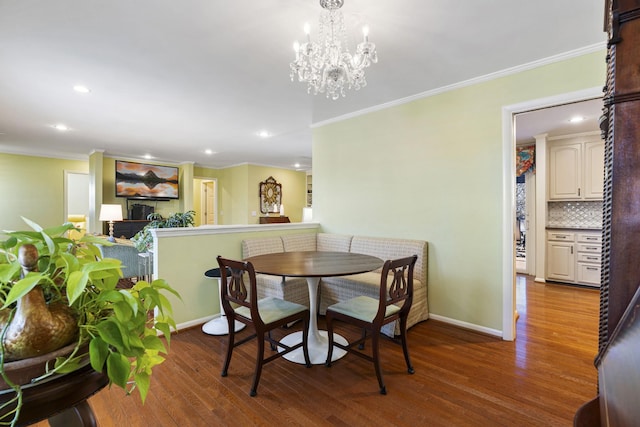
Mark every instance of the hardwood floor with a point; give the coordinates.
(462, 378)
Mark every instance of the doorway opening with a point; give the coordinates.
(205, 201)
(76, 196)
(509, 114)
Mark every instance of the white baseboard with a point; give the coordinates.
(455, 322)
(195, 322)
(466, 325)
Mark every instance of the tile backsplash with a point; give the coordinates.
(574, 214)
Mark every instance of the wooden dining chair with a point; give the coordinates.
(370, 314)
(262, 315)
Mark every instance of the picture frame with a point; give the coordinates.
(270, 193)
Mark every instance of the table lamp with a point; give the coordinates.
(111, 213)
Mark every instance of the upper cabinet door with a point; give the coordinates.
(594, 170)
(576, 171)
(565, 172)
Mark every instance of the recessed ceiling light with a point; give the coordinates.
(148, 156)
(81, 89)
(61, 127)
(576, 119)
(297, 165)
(209, 151)
(264, 134)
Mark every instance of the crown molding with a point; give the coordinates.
(470, 82)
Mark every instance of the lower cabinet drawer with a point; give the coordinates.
(593, 258)
(588, 274)
(590, 247)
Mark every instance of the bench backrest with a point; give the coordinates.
(388, 248)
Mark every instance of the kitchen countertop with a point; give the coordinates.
(573, 228)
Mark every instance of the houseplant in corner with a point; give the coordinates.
(50, 282)
(143, 240)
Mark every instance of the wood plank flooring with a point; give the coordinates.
(462, 378)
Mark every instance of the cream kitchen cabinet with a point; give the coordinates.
(589, 258)
(594, 170)
(561, 256)
(574, 257)
(576, 170)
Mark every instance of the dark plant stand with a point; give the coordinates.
(62, 400)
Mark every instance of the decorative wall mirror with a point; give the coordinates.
(270, 196)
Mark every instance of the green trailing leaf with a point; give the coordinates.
(70, 261)
(162, 284)
(64, 365)
(110, 332)
(110, 296)
(165, 305)
(9, 243)
(152, 342)
(8, 272)
(76, 284)
(21, 288)
(143, 381)
(130, 299)
(32, 224)
(26, 236)
(59, 230)
(164, 328)
(122, 311)
(103, 264)
(98, 353)
(118, 369)
(150, 296)
(136, 347)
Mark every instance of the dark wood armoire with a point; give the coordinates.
(618, 359)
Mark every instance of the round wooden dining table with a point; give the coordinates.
(313, 265)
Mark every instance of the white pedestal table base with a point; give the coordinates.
(318, 348)
(219, 326)
(318, 342)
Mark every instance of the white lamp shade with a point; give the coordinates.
(307, 215)
(111, 213)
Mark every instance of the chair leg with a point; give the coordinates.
(230, 345)
(305, 342)
(405, 348)
(259, 362)
(273, 346)
(375, 347)
(364, 337)
(329, 321)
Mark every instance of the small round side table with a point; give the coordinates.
(219, 325)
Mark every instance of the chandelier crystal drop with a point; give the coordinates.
(327, 66)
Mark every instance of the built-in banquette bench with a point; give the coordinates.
(336, 289)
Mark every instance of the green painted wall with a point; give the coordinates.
(33, 187)
(293, 191)
(432, 169)
(239, 188)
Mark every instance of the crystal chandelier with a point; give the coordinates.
(327, 66)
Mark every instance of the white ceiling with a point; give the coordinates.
(172, 79)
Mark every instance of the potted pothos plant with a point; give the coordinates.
(143, 240)
(47, 277)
